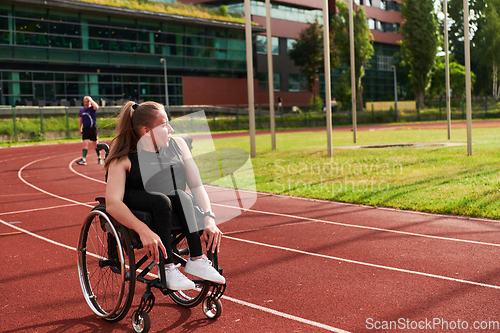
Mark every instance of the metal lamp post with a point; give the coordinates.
(395, 94)
(167, 106)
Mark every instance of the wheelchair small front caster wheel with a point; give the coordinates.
(141, 321)
(212, 308)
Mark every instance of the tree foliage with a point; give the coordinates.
(457, 79)
(477, 20)
(340, 43)
(487, 48)
(307, 52)
(419, 44)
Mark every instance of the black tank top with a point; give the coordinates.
(150, 171)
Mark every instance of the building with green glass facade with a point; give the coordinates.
(54, 52)
(289, 17)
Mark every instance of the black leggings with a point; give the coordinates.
(161, 207)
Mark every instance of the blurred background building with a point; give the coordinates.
(54, 52)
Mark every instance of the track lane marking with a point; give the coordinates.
(363, 263)
(40, 209)
(358, 226)
(287, 316)
(11, 233)
(254, 306)
(19, 175)
(331, 222)
(274, 312)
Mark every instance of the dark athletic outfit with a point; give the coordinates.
(89, 123)
(158, 195)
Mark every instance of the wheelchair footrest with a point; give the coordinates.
(217, 291)
(147, 302)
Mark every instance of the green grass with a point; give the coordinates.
(50, 124)
(432, 179)
(178, 9)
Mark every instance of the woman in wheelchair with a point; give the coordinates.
(147, 124)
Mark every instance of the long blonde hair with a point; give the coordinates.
(132, 117)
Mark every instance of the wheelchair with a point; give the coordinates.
(108, 271)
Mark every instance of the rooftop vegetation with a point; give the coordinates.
(198, 11)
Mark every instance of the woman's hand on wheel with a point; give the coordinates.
(212, 235)
(152, 242)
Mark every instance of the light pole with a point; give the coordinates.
(395, 94)
(167, 106)
(328, 71)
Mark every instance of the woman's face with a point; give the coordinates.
(161, 130)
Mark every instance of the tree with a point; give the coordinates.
(419, 44)
(341, 48)
(457, 79)
(456, 39)
(488, 43)
(307, 53)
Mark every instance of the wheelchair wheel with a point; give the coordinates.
(141, 322)
(106, 266)
(187, 298)
(212, 308)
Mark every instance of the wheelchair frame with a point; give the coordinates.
(108, 271)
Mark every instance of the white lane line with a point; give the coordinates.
(363, 263)
(339, 223)
(476, 219)
(38, 236)
(81, 174)
(39, 209)
(359, 226)
(19, 175)
(281, 314)
(274, 312)
(254, 306)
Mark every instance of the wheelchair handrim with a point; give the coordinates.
(87, 289)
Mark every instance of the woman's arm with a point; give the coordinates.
(212, 233)
(115, 189)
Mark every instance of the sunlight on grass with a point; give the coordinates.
(434, 179)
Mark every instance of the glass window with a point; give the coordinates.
(64, 16)
(261, 44)
(275, 45)
(264, 84)
(25, 76)
(43, 76)
(297, 82)
(116, 21)
(38, 14)
(175, 28)
(384, 63)
(261, 41)
(217, 32)
(371, 23)
(196, 30)
(233, 44)
(290, 43)
(235, 34)
(93, 19)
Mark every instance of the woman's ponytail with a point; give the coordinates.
(125, 140)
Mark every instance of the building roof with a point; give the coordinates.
(79, 6)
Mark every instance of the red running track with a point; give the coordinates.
(291, 264)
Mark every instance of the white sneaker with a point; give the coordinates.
(203, 268)
(176, 280)
(81, 161)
